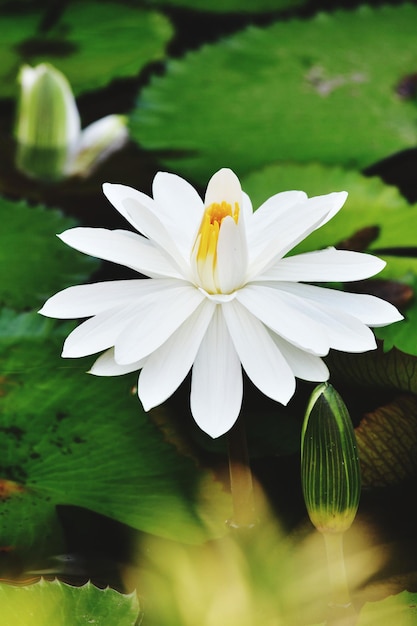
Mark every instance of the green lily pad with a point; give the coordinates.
(92, 43)
(374, 369)
(402, 335)
(73, 439)
(33, 262)
(45, 603)
(30, 528)
(398, 609)
(300, 90)
(28, 326)
(387, 440)
(231, 6)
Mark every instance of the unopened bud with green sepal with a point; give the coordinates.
(330, 470)
(50, 143)
(48, 123)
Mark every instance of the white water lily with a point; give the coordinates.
(221, 295)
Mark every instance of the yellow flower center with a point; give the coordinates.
(207, 240)
(210, 227)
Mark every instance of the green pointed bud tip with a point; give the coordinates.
(48, 123)
(330, 471)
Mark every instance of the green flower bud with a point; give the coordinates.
(48, 123)
(50, 143)
(330, 470)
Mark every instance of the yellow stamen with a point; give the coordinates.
(210, 228)
(205, 247)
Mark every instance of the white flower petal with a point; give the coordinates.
(107, 134)
(324, 266)
(142, 212)
(182, 207)
(99, 332)
(286, 231)
(219, 298)
(268, 216)
(96, 143)
(303, 364)
(88, 300)
(272, 210)
(247, 208)
(232, 256)
(224, 186)
(105, 365)
(118, 194)
(345, 332)
(328, 205)
(336, 329)
(216, 383)
(261, 359)
(370, 310)
(285, 316)
(157, 317)
(167, 366)
(334, 201)
(128, 249)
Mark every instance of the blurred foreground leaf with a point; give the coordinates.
(69, 438)
(55, 603)
(300, 90)
(400, 609)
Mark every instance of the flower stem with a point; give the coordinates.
(337, 570)
(341, 611)
(241, 483)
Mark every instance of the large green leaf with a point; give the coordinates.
(399, 609)
(298, 90)
(46, 603)
(92, 43)
(68, 438)
(229, 6)
(33, 262)
(29, 527)
(374, 369)
(28, 326)
(387, 441)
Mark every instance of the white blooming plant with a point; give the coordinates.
(221, 295)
